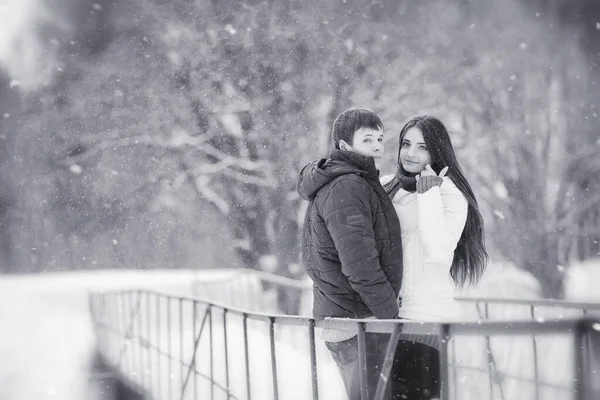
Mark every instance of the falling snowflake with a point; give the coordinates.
(76, 169)
(500, 190)
(230, 29)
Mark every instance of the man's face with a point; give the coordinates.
(366, 142)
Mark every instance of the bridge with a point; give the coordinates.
(228, 342)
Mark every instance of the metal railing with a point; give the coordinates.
(539, 310)
(181, 347)
(247, 288)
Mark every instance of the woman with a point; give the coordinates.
(442, 242)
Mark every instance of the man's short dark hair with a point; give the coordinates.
(348, 122)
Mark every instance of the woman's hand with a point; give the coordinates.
(428, 179)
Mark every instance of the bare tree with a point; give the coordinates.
(520, 116)
(237, 98)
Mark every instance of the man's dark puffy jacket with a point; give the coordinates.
(351, 244)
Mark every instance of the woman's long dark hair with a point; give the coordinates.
(470, 255)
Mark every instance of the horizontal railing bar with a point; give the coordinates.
(380, 325)
(513, 328)
(502, 328)
(531, 302)
(385, 326)
(239, 273)
(539, 382)
(282, 319)
(466, 299)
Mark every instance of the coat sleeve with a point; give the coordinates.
(348, 217)
(442, 218)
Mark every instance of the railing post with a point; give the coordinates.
(578, 350)
(313, 359)
(593, 352)
(181, 363)
(226, 353)
(444, 364)
(488, 348)
(122, 314)
(453, 363)
(106, 305)
(130, 336)
(536, 372)
(149, 342)
(195, 341)
(141, 338)
(211, 355)
(169, 348)
(587, 360)
(273, 359)
(362, 362)
(388, 362)
(158, 355)
(587, 357)
(246, 356)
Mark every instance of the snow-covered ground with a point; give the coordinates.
(46, 340)
(46, 335)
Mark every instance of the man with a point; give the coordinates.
(351, 244)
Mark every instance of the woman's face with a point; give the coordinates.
(414, 155)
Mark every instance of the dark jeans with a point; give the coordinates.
(345, 355)
(416, 372)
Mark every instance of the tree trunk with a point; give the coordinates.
(287, 236)
(9, 103)
(545, 268)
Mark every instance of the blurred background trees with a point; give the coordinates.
(156, 134)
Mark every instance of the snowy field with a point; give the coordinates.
(47, 341)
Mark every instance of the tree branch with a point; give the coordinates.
(201, 186)
(174, 142)
(577, 209)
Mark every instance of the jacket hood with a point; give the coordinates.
(319, 173)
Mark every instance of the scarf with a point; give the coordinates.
(402, 179)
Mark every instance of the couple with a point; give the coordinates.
(395, 248)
